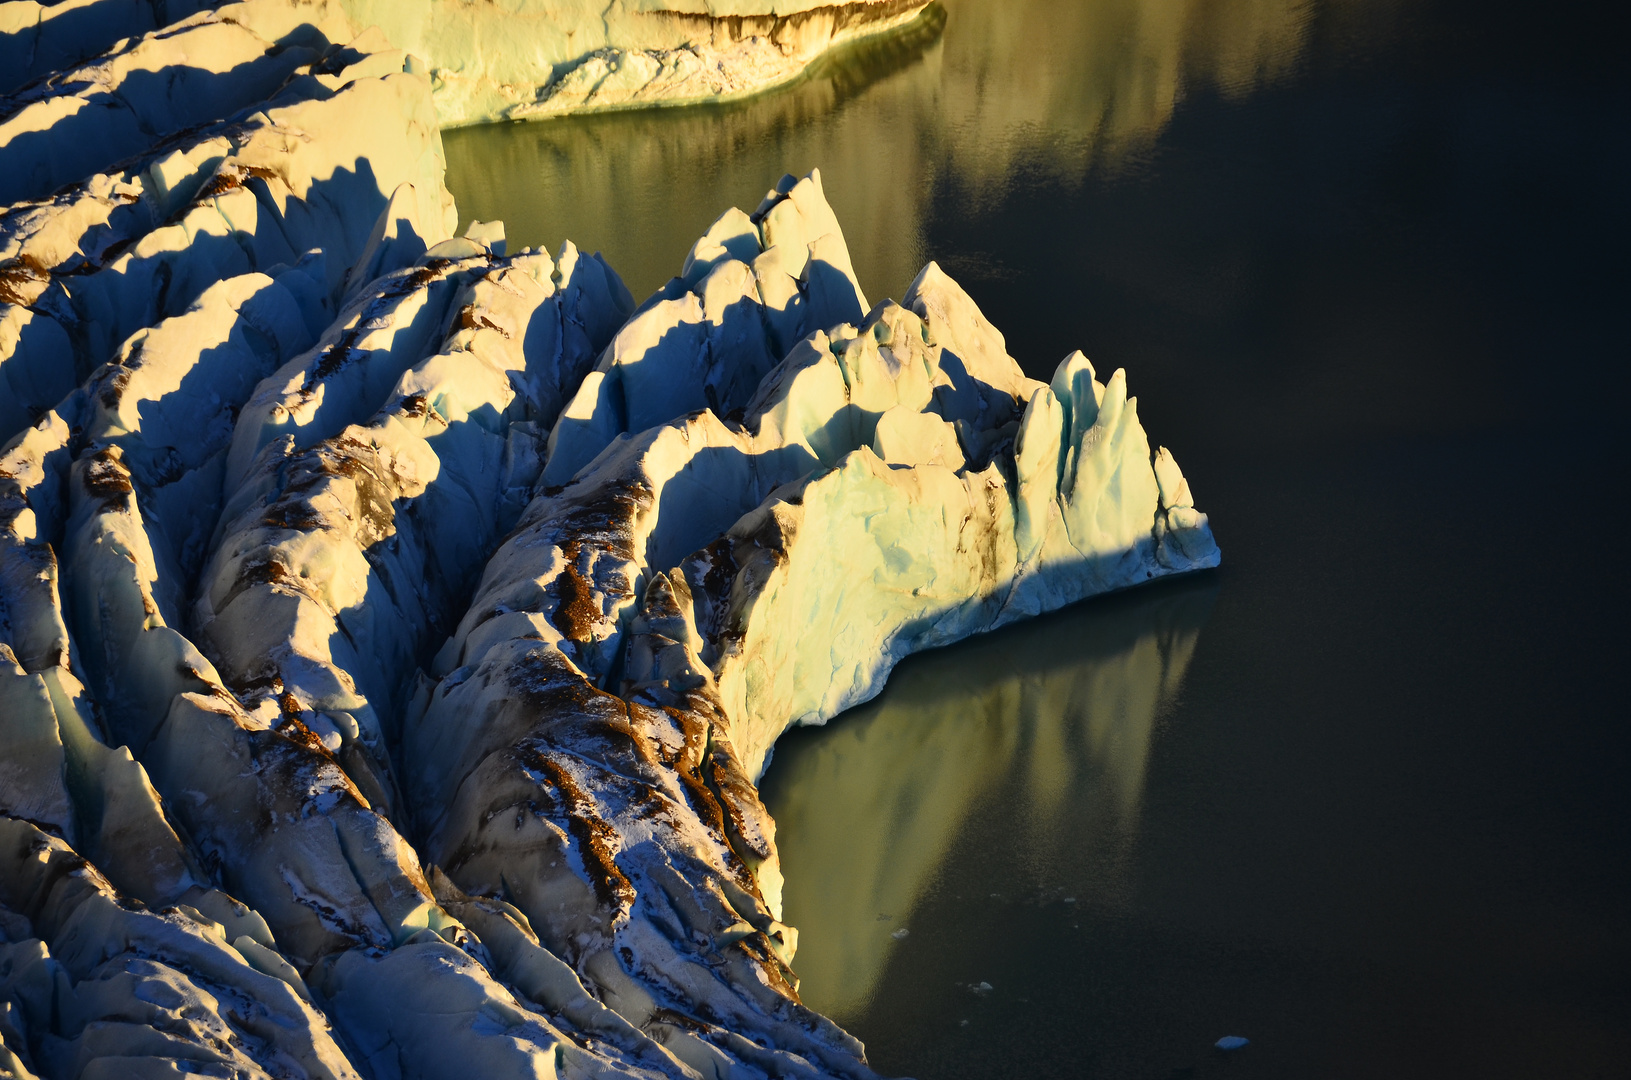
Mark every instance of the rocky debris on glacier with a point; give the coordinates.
(353, 534)
(120, 737)
(590, 747)
(278, 440)
(335, 877)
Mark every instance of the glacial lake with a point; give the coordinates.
(1363, 795)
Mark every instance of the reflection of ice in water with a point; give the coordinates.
(1019, 88)
(1047, 723)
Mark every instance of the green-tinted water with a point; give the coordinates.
(978, 98)
(1359, 796)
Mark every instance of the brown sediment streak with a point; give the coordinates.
(295, 730)
(294, 747)
(782, 28)
(14, 273)
(376, 492)
(230, 175)
(711, 781)
(472, 318)
(745, 559)
(739, 799)
(113, 387)
(106, 478)
(15, 276)
(568, 706)
(578, 613)
(602, 524)
(780, 975)
(268, 571)
(374, 511)
(711, 591)
(689, 770)
(594, 836)
(293, 514)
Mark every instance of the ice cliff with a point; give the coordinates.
(393, 627)
(518, 60)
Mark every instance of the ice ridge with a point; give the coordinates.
(393, 628)
(526, 59)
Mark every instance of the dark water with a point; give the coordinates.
(1363, 795)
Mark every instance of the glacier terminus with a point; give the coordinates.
(393, 626)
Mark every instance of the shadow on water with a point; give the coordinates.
(1044, 726)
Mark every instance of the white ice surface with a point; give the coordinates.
(102, 988)
(313, 168)
(750, 289)
(409, 620)
(541, 58)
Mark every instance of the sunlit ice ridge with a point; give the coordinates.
(395, 627)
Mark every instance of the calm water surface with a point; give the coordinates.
(1363, 795)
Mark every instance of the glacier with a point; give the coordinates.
(527, 59)
(394, 627)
